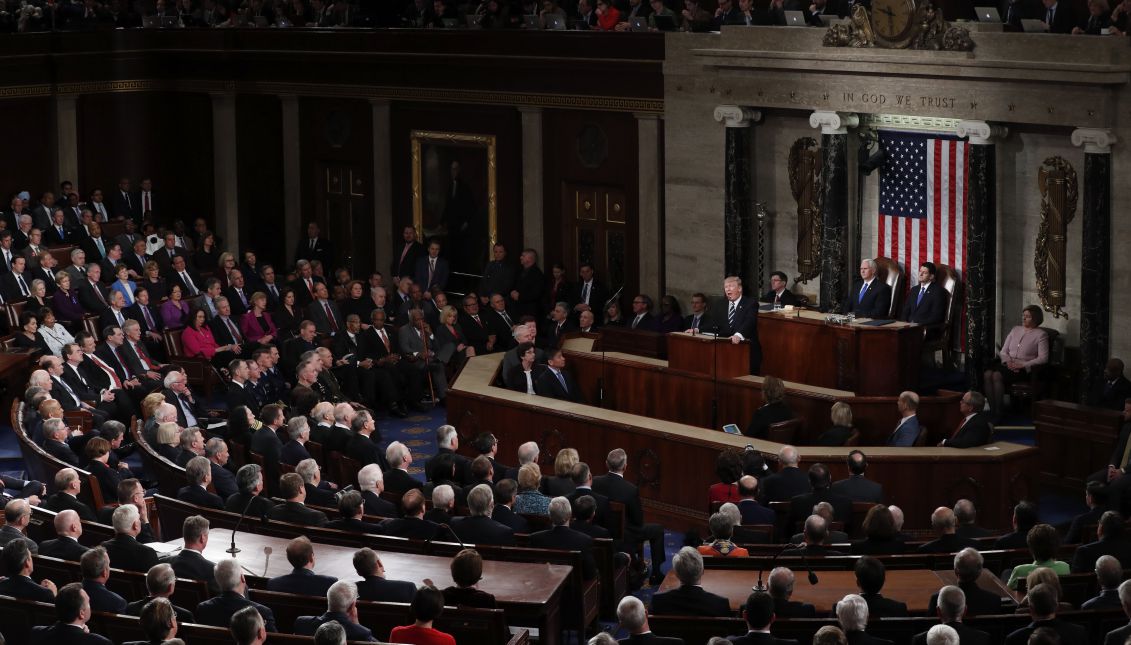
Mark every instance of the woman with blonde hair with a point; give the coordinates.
(451, 343)
(529, 499)
(562, 482)
(841, 415)
(168, 441)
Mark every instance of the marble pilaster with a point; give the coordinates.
(533, 228)
(292, 173)
(835, 276)
(225, 177)
(738, 216)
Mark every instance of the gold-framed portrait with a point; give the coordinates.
(454, 196)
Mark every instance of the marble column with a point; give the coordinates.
(225, 177)
(649, 215)
(66, 139)
(532, 171)
(835, 274)
(382, 181)
(738, 214)
(981, 246)
(1095, 270)
(292, 173)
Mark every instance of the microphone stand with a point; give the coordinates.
(233, 550)
(808, 567)
(762, 587)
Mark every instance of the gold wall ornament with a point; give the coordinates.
(805, 184)
(421, 138)
(1056, 179)
(899, 24)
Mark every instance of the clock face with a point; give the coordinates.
(893, 21)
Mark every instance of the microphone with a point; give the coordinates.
(809, 567)
(762, 587)
(450, 531)
(233, 550)
(267, 559)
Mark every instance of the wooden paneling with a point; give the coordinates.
(259, 152)
(1075, 441)
(165, 136)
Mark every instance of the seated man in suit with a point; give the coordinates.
(689, 599)
(294, 509)
(505, 491)
(801, 505)
(781, 590)
(124, 550)
(478, 527)
(371, 483)
(1110, 542)
(374, 586)
(951, 609)
(852, 615)
(907, 430)
(351, 507)
(68, 527)
(302, 579)
(555, 382)
(634, 618)
(699, 319)
(926, 303)
(364, 445)
(856, 486)
(869, 297)
(67, 488)
(975, 429)
(945, 526)
(412, 523)
(816, 537)
(967, 516)
(190, 562)
(55, 434)
(220, 610)
(160, 582)
(198, 472)
(870, 575)
(95, 567)
(319, 492)
(298, 433)
(1024, 518)
(18, 565)
(17, 516)
(72, 606)
(1109, 573)
(248, 501)
(341, 606)
(642, 317)
(779, 295)
(223, 480)
(752, 511)
(758, 612)
(1043, 600)
(1120, 635)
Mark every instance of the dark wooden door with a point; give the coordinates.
(346, 215)
(597, 225)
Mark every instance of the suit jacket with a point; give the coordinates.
(196, 407)
(134, 609)
(529, 284)
(650, 322)
(297, 513)
(864, 638)
(375, 505)
(1107, 599)
(1075, 533)
(258, 508)
(931, 310)
(1084, 560)
(301, 581)
(127, 553)
(133, 312)
(481, 529)
(1070, 633)
(303, 295)
(399, 481)
(563, 537)
(293, 452)
(978, 600)
(504, 515)
(413, 527)
(376, 589)
(1118, 636)
(266, 443)
(690, 600)
(61, 634)
(875, 302)
(88, 296)
(745, 323)
(323, 251)
(619, 489)
(9, 533)
(548, 384)
(354, 525)
(880, 607)
(321, 495)
(1111, 395)
(758, 638)
(64, 548)
(102, 599)
(1063, 19)
(307, 625)
(766, 416)
(174, 278)
(906, 433)
(62, 501)
(649, 639)
(859, 488)
(801, 507)
(404, 261)
(793, 609)
(236, 395)
(365, 450)
(194, 494)
(949, 543)
(463, 468)
(218, 611)
(784, 485)
(11, 289)
(190, 564)
(966, 635)
(498, 326)
(601, 516)
(317, 315)
(706, 322)
(787, 298)
(439, 275)
(755, 513)
(238, 308)
(975, 432)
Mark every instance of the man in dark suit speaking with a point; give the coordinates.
(739, 320)
(869, 298)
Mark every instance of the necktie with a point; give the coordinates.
(585, 293)
(148, 318)
(23, 285)
(145, 203)
(67, 388)
(8, 260)
(235, 332)
(561, 379)
(330, 317)
(863, 290)
(959, 429)
(407, 246)
(919, 298)
(243, 299)
(777, 298)
(101, 247)
(189, 284)
(312, 243)
(731, 314)
(129, 204)
(310, 287)
(636, 320)
(59, 230)
(431, 270)
(558, 331)
(695, 322)
(1048, 17)
(145, 360)
(109, 370)
(98, 292)
(388, 348)
(476, 319)
(118, 355)
(118, 317)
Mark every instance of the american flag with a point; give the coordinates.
(922, 201)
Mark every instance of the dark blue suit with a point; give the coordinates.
(745, 323)
(102, 599)
(25, 588)
(294, 452)
(60, 634)
(307, 625)
(690, 600)
(302, 581)
(481, 529)
(218, 611)
(224, 481)
(381, 590)
(905, 435)
(194, 494)
(563, 537)
(755, 513)
(875, 303)
(930, 310)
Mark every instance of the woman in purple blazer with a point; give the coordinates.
(256, 325)
(1026, 347)
(174, 311)
(65, 302)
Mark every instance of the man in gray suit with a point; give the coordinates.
(907, 431)
(412, 338)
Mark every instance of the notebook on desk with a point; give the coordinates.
(876, 323)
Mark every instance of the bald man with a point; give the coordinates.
(945, 525)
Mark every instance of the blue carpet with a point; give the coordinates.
(418, 432)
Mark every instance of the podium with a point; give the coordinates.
(713, 356)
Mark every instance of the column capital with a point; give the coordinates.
(530, 109)
(379, 102)
(736, 116)
(834, 122)
(1096, 141)
(981, 133)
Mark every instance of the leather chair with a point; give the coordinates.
(921, 440)
(1039, 384)
(854, 438)
(14, 310)
(891, 272)
(199, 371)
(784, 431)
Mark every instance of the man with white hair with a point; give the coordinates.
(443, 504)
(298, 433)
(248, 627)
(340, 433)
(95, 568)
(943, 635)
(341, 606)
(631, 616)
(897, 520)
(223, 480)
(447, 441)
(124, 550)
(191, 445)
(396, 477)
(323, 416)
(1119, 636)
(371, 483)
(869, 297)
(319, 492)
(690, 598)
(852, 614)
(945, 526)
(67, 489)
(789, 481)
(68, 527)
(561, 536)
(527, 454)
(198, 472)
(478, 527)
(618, 489)
(1109, 573)
(55, 435)
(781, 590)
(219, 610)
(951, 609)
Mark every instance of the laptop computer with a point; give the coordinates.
(988, 14)
(555, 22)
(1031, 26)
(795, 19)
(731, 428)
(531, 22)
(475, 22)
(449, 23)
(638, 24)
(151, 22)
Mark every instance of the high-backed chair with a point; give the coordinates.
(199, 371)
(936, 339)
(891, 273)
(784, 431)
